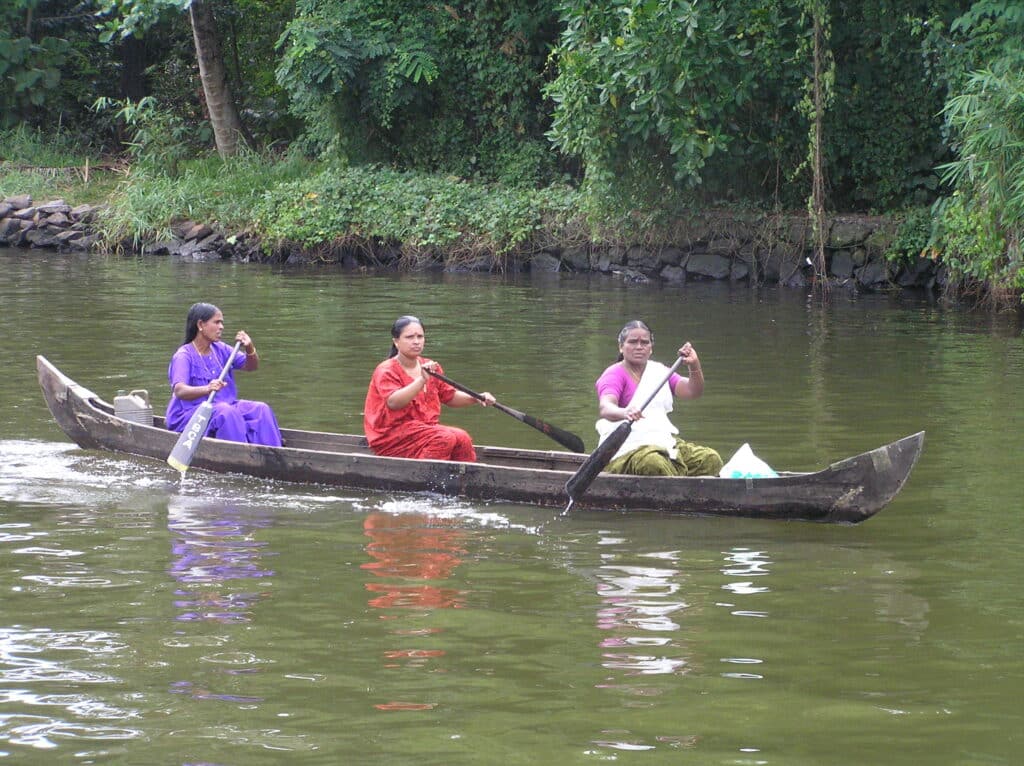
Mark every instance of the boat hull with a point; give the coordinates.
(848, 491)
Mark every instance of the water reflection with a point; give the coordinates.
(641, 605)
(216, 558)
(411, 550)
(411, 554)
(642, 618)
(650, 614)
(34, 663)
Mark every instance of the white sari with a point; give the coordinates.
(654, 428)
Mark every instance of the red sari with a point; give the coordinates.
(414, 430)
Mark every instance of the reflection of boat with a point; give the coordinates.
(848, 491)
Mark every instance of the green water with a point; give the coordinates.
(228, 620)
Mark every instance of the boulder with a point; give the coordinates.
(848, 234)
(54, 206)
(601, 260)
(673, 274)
(708, 265)
(872, 274)
(83, 212)
(577, 257)
(841, 266)
(545, 262)
(921, 273)
(19, 202)
(39, 238)
(642, 258)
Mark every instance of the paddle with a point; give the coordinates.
(566, 439)
(600, 457)
(195, 429)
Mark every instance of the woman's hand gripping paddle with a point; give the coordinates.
(606, 450)
(195, 429)
(568, 440)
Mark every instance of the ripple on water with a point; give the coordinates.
(33, 658)
(46, 733)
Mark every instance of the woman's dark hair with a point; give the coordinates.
(199, 312)
(636, 324)
(396, 331)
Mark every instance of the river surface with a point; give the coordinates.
(228, 620)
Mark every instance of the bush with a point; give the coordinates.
(427, 215)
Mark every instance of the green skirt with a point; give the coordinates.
(691, 460)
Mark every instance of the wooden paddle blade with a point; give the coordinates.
(568, 440)
(188, 442)
(597, 461)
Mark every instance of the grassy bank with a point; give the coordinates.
(294, 203)
(290, 204)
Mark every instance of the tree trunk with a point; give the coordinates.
(223, 115)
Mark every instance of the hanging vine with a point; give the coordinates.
(819, 91)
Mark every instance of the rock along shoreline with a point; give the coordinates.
(776, 249)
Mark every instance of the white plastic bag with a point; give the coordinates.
(746, 465)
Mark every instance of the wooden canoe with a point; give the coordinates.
(847, 491)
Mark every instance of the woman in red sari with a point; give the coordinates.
(403, 404)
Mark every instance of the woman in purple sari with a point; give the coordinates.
(193, 374)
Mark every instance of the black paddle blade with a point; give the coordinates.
(188, 442)
(597, 461)
(570, 441)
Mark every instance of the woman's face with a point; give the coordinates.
(411, 340)
(211, 328)
(637, 347)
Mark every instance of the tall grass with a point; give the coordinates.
(47, 166)
(209, 190)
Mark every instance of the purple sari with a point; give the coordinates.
(233, 419)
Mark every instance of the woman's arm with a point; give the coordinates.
(187, 393)
(401, 397)
(692, 386)
(609, 409)
(462, 399)
(252, 359)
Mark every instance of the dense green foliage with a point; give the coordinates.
(49, 64)
(451, 88)
(647, 92)
(658, 96)
(982, 224)
(979, 227)
(648, 106)
(428, 216)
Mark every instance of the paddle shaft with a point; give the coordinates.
(195, 429)
(600, 457)
(568, 440)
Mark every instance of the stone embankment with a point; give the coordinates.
(766, 250)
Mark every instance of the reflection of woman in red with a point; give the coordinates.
(412, 547)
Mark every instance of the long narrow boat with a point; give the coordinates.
(847, 491)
